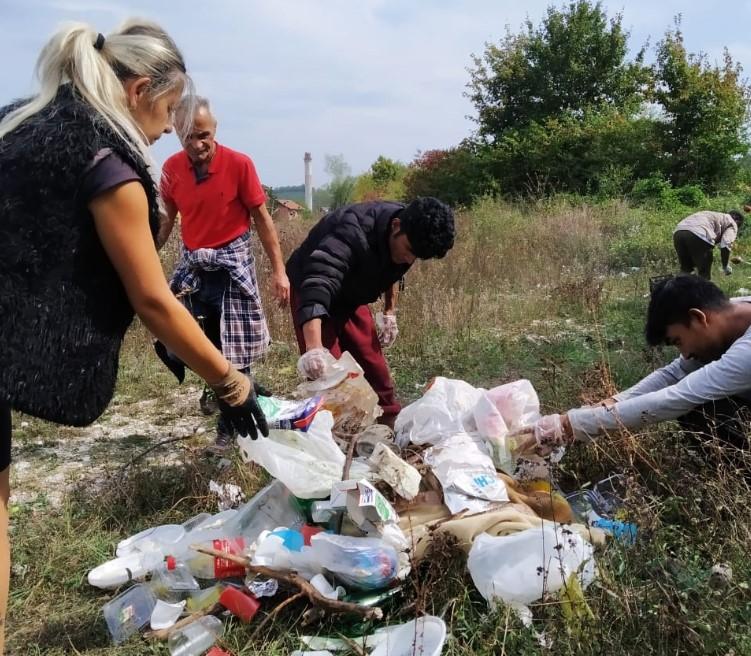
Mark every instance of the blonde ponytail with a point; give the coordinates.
(137, 49)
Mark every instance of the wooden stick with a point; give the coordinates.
(294, 579)
(164, 634)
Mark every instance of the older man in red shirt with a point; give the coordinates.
(219, 196)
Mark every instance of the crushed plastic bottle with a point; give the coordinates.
(282, 414)
(272, 507)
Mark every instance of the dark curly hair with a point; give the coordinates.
(429, 226)
(672, 300)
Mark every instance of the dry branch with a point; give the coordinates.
(297, 581)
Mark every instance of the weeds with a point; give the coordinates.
(542, 291)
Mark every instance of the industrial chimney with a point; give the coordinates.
(308, 181)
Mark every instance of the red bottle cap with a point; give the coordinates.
(171, 563)
(239, 604)
(309, 531)
(215, 651)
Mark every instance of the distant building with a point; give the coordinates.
(287, 209)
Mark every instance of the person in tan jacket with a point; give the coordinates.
(696, 236)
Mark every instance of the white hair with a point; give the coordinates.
(97, 68)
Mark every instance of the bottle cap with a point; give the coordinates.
(171, 563)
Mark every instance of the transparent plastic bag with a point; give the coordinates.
(517, 403)
(346, 394)
(360, 563)
(307, 463)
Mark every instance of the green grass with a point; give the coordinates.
(532, 291)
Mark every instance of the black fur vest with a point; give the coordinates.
(63, 309)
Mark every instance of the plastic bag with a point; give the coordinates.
(520, 568)
(360, 563)
(517, 403)
(466, 473)
(307, 463)
(346, 394)
(438, 414)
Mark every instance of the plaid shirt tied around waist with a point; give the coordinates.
(244, 331)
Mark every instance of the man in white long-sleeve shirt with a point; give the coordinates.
(710, 383)
(696, 236)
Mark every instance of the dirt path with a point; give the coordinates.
(49, 459)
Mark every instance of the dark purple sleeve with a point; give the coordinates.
(106, 172)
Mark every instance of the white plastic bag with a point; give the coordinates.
(307, 463)
(520, 568)
(438, 414)
(517, 403)
(466, 473)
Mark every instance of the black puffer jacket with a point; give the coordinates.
(345, 261)
(63, 309)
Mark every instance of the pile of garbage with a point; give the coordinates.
(354, 506)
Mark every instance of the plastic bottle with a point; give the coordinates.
(196, 638)
(118, 571)
(207, 567)
(174, 581)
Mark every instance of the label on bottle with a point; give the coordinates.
(223, 568)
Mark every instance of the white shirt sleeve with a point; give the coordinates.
(728, 235)
(668, 375)
(723, 378)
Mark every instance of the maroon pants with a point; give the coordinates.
(355, 332)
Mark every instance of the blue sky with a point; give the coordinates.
(356, 77)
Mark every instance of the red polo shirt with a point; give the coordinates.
(214, 210)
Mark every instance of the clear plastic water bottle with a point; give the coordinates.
(196, 638)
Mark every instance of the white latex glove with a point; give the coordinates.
(547, 435)
(388, 330)
(728, 270)
(312, 364)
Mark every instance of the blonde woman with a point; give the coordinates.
(79, 211)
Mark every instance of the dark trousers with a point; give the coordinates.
(727, 420)
(355, 332)
(693, 253)
(206, 306)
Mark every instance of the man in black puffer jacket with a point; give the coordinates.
(350, 258)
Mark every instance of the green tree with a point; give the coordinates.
(573, 62)
(385, 170)
(706, 110)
